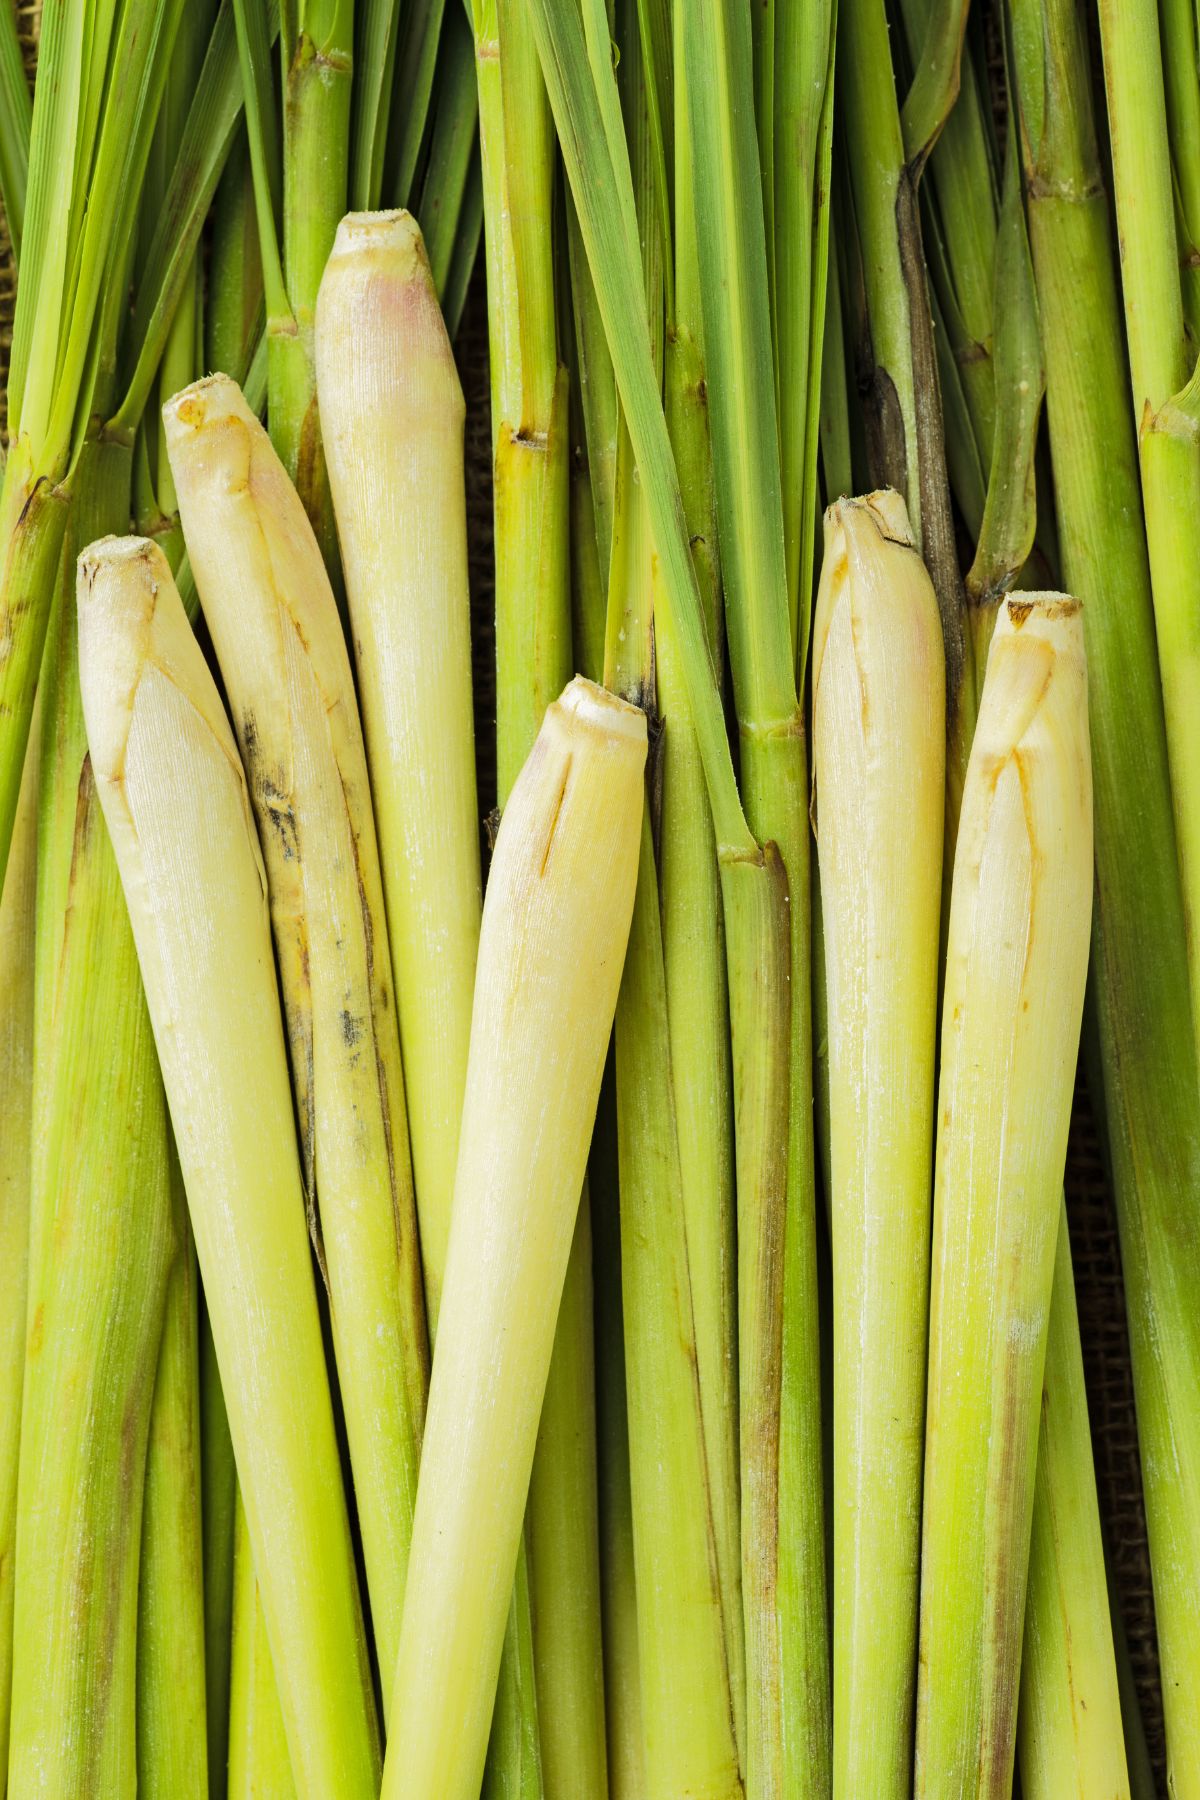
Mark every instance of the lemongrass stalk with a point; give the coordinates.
(533, 662)
(172, 1733)
(453, 295)
(904, 410)
(259, 1765)
(16, 118)
(392, 409)
(100, 1247)
(218, 1509)
(317, 66)
(1069, 1735)
(1168, 419)
(393, 417)
(452, 147)
(233, 313)
(173, 792)
(1181, 75)
(879, 735)
(783, 1573)
(552, 945)
(622, 1671)
(1139, 963)
(16, 1079)
(692, 927)
(1016, 962)
(691, 1665)
(275, 627)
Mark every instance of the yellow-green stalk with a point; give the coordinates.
(16, 1082)
(1070, 1741)
(172, 1735)
(1016, 961)
(175, 800)
(218, 1509)
(560, 896)
(531, 468)
(100, 1249)
(275, 628)
(879, 737)
(392, 413)
(259, 1766)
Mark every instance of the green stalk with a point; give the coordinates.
(16, 1077)
(452, 144)
(1181, 74)
(533, 664)
(16, 118)
(219, 1505)
(804, 55)
(783, 1575)
(1069, 1735)
(692, 1677)
(1168, 419)
(1139, 959)
(101, 1240)
(622, 1672)
(903, 412)
(233, 312)
(453, 295)
(172, 1736)
(259, 1766)
(692, 926)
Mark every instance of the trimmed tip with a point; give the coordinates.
(883, 509)
(209, 401)
(596, 709)
(394, 234)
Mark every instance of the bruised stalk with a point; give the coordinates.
(1016, 962)
(175, 800)
(552, 945)
(278, 639)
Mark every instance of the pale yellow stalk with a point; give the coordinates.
(879, 738)
(555, 926)
(275, 627)
(1016, 961)
(175, 801)
(392, 420)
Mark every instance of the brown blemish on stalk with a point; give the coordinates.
(558, 806)
(1046, 606)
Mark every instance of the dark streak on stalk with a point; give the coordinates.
(937, 518)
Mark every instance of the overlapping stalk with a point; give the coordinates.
(1013, 999)
(278, 638)
(169, 779)
(879, 732)
(1069, 1734)
(172, 1730)
(1139, 959)
(551, 949)
(1166, 408)
(259, 1766)
(101, 1241)
(16, 1077)
(218, 1511)
(393, 414)
(301, 181)
(533, 662)
(783, 1575)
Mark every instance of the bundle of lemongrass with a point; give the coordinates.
(586, 1308)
